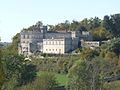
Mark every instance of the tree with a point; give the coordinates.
(88, 53)
(51, 27)
(67, 25)
(28, 74)
(100, 34)
(46, 81)
(2, 78)
(96, 22)
(17, 71)
(115, 27)
(106, 23)
(114, 46)
(92, 74)
(85, 75)
(74, 25)
(39, 23)
(13, 48)
(112, 24)
(115, 85)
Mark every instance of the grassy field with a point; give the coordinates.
(61, 78)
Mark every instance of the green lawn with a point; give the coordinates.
(61, 78)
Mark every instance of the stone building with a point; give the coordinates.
(90, 44)
(31, 41)
(57, 45)
(40, 40)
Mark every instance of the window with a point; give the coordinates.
(59, 42)
(59, 50)
(27, 36)
(23, 36)
(46, 49)
(23, 42)
(49, 49)
(46, 43)
(27, 42)
(38, 36)
(30, 36)
(53, 42)
(26, 48)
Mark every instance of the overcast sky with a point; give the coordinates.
(18, 14)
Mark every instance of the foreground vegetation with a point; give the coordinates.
(60, 78)
(90, 70)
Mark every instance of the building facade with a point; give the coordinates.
(57, 46)
(39, 39)
(90, 44)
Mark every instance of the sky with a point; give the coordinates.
(18, 14)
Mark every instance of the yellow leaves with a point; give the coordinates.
(88, 54)
(100, 33)
(110, 55)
